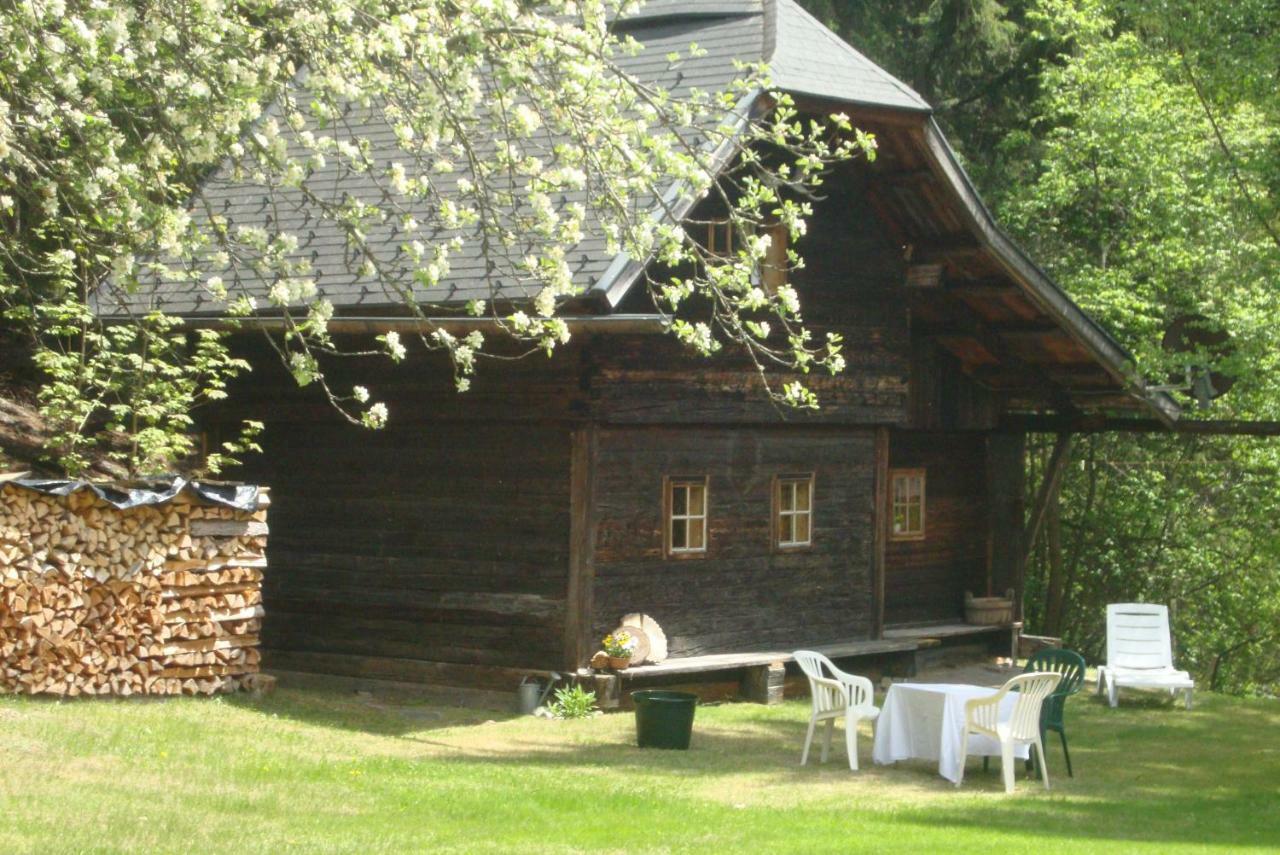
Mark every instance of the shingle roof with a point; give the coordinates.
(809, 59)
(805, 58)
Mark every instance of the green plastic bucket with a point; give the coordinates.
(664, 719)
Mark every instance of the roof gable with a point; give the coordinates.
(806, 58)
(810, 60)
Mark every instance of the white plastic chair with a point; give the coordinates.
(1140, 652)
(839, 695)
(982, 716)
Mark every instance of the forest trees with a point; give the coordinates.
(1151, 199)
(112, 113)
(1134, 147)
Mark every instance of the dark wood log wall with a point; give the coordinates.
(448, 544)
(743, 594)
(448, 538)
(1006, 493)
(443, 538)
(925, 580)
(943, 397)
(851, 284)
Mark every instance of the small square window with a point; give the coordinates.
(906, 495)
(686, 513)
(793, 511)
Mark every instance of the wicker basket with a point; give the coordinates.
(988, 611)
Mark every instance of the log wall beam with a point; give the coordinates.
(1105, 424)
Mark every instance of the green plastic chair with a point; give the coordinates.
(1071, 666)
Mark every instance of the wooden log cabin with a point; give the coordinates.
(508, 528)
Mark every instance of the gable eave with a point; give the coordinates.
(1038, 286)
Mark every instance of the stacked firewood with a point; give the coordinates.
(159, 599)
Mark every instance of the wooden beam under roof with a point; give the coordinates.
(897, 177)
(980, 288)
(965, 322)
(942, 248)
(1032, 328)
(1076, 379)
(1084, 423)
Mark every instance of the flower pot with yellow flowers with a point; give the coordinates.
(618, 646)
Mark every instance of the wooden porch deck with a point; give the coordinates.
(730, 661)
(761, 675)
(919, 632)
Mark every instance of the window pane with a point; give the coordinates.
(802, 489)
(899, 519)
(697, 531)
(802, 528)
(697, 500)
(679, 500)
(784, 528)
(679, 534)
(913, 518)
(786, 495)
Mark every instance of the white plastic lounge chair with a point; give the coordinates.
(1139, 653)
(982, 716)
(839, 695)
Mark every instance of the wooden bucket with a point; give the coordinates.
(988, 611)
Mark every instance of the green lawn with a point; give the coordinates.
(335, 772)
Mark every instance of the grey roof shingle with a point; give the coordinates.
(809, 59)
(805, 57)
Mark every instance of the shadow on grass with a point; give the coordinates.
(1146, 771)
(383, 714)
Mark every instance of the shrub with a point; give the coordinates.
(573, 702)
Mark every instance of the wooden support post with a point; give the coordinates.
(1006, 514)
(608, 689)
(1049, 487)
(582, 546)
(762, 684)
(880, 531)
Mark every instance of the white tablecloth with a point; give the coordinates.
(926, 721)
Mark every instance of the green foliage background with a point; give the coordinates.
(1134, 148)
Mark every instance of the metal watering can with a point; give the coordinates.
(531, 694)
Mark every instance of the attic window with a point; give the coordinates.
(720, 238)
(906, 491)
(686, 516)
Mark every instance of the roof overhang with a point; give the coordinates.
(1038, 286)
(648, 324)
(980, 224)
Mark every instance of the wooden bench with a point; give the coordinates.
(762, 672)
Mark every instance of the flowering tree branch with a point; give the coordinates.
(488, 132)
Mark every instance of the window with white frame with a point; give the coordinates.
(906, 491)
(686, 512)
(793, 504)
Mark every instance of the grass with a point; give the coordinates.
(316, 771)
